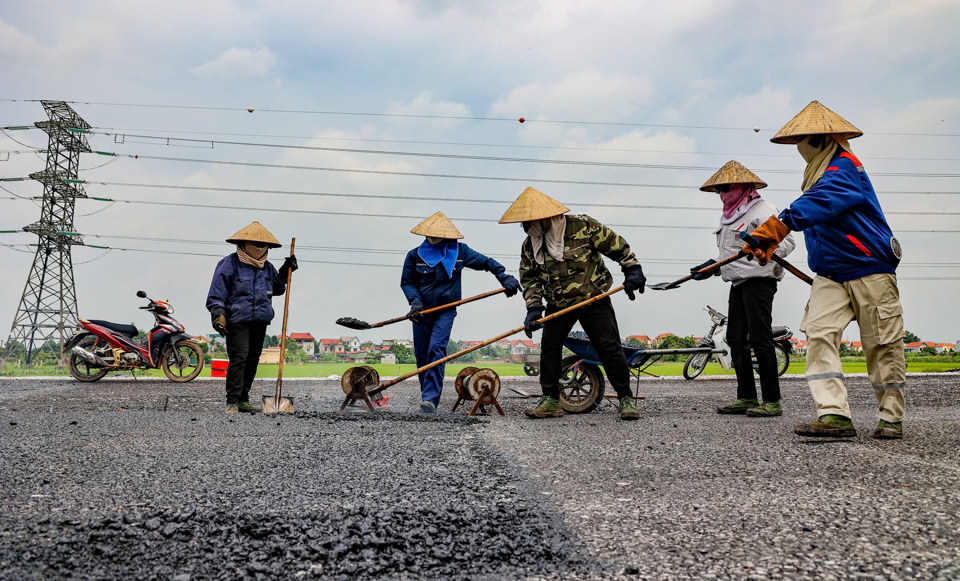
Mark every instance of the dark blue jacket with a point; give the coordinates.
(432, 286)
(243, 291)
(843, 225)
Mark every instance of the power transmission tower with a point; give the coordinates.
(48, 307)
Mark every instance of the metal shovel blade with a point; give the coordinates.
(661, 286)
(271, 405)
(351, 323)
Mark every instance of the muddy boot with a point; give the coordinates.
(888, 430)
(232, 408)
(828, 426)
(427, 407)
(768, 410)
(548, 407)
(738, 407)
(628, 409)
(247, 408)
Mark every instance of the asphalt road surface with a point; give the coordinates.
(99, 482)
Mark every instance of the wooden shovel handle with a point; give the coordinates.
(708, 270)
(283, 332)
(793, 269)
(560, 313)
(441, 307)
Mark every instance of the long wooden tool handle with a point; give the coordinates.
(560, 313)
(793, 269)
(708, 270)
(283, 332)
(441, 307)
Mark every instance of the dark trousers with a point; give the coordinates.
(244, 345)
(749, 325)
(600, 323)
(430, 339)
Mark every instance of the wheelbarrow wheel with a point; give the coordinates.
(695, 365)
(783, 359)
(531, 369)
(581, 385)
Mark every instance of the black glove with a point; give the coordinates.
(531, 324)
(633, 280)
(289, 264)
(511, 284)
(414, 314)
(700, 267)
(219, 320)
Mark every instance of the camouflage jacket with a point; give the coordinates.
(581, 275)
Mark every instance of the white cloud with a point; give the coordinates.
(238, 62)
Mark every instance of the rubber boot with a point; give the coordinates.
(828, 426)
(738, 407)
(548, 407)
(888, 430)
(767, 410)
(628, 409)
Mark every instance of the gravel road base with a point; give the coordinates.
(98, 482)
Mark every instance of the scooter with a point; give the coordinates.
(100, 347)
(716, 339)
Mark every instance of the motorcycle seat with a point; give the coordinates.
(778, 331)
(128, 330)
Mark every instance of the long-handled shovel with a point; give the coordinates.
(360, 392)
(782, 262)
(359, 325)
(275, 403)
(708, 270)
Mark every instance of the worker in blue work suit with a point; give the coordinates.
(431, 277)
(855, 255)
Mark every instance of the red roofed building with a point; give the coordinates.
(661, 337)
(304, 341)
(641, 339)
(332, 346)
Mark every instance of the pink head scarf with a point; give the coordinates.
(736, 197)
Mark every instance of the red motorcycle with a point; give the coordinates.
(101, 347)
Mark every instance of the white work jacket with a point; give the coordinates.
(747, 220)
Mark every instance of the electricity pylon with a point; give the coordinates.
(48, 307)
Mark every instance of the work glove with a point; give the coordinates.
(414, 315)
(770, 234)
(511, 284)
(219, 320)
(700, 267)
(633, 280)
(289, 265)
(530, 323)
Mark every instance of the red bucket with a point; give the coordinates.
(218, 367)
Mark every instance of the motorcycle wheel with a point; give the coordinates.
(182, 362)
(783, 359)
(581, 391)
(79, 368)
(695, 365)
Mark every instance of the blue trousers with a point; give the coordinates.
(430, 340)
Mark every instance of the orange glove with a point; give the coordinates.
(770, 234)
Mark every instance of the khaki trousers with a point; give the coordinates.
(874, 301)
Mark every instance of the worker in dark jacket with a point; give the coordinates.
(561, 263)
(855, 255)
(239, 302)
(431, 277)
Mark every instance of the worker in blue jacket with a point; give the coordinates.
(240, 306)
(431, 277)
(855, 255)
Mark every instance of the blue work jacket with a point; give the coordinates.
(245, 293)
(843, 225)
(432, 286)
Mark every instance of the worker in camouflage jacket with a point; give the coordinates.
(855, 255)
(561, 264)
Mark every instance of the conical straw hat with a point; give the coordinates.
(815, 119)
(732, 172)
(532, 205)
(255, 232)
(438, 226)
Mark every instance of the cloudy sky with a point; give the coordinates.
(662, 93)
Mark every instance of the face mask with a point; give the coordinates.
(433, 240)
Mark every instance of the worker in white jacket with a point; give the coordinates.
(753, 286)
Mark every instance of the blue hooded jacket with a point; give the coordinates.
(432, 286)
(846, 233)
(244, 292)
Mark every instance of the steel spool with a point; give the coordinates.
(476, 382)
(461, 377)
(361, 375)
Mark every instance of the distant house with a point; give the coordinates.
(523, 346)
(917, 346)
(504, 344)
(944, 347)
(661, 337)
(351, 343)
(304, 341)
(332, 346)
(800, 346)
(388, 358)
(644, 340)
(353, 356)
(270, 355)
(387, 343)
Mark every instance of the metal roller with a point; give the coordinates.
(362, 375)
(475, 383)
(461, 378)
